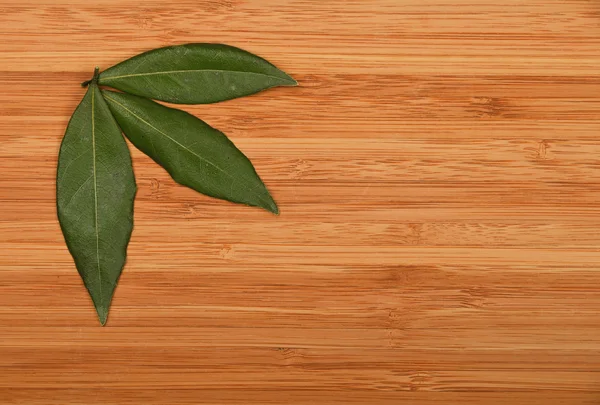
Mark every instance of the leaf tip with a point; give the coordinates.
(272, 207)
(102, 315)
(286, 80)
(290, 81)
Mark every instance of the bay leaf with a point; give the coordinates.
(95, 192)
(195, 154)
(194, 74)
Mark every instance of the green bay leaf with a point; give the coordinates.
(195, 154)
(194, 74)
(95, 192)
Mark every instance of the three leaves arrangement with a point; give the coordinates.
(95, 181)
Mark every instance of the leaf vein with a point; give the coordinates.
(96, 196)
(77, 191)
(165, 72)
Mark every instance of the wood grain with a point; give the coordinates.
(438, 174)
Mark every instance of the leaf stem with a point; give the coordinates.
(94, 78)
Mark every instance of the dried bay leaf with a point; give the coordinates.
(194, 74)
(95, 191)
(195, 154)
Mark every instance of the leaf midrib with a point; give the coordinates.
(181, 145)
(193, 70)
(96, 195)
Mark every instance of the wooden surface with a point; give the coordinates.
(438, 174)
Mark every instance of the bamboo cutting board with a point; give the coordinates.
(438, 174)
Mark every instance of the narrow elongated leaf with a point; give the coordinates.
(195, 154)
(194, 74)
(95, 191)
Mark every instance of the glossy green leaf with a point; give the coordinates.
(195, 154)
(95, 191)
(194, 74)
